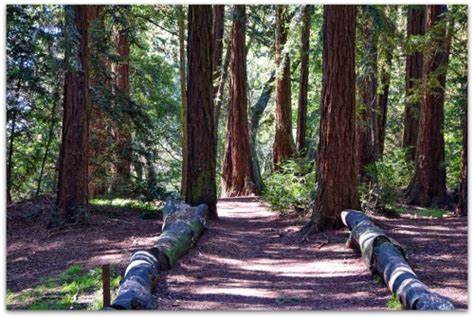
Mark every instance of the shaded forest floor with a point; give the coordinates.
(252, 258)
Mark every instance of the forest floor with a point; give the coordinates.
(252, 258)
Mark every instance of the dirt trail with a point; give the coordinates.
(252, 259)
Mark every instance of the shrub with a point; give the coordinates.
(292, 186)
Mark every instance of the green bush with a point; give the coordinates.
(292, 186)
(392, 174)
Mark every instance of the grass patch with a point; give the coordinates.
(393, 303)
(124, 203)
(64, 291)
(377, 279)
(419, 211)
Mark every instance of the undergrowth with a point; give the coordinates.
(75, 288)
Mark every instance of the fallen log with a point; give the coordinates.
(182, 226)
(385, 256)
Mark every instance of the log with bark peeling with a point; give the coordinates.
(182, 226)
(386, 256)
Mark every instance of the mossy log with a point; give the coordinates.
(137, 285)
(182, 226)
(181, 229)
(385, 256)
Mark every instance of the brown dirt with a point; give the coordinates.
(34, 253)
(250, 259)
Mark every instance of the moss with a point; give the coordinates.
(393, 303)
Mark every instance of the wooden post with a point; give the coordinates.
(106, 285)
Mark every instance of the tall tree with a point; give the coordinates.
(303, 97)
(182, 81)
(122, 134)
(336, 165)
(461, 208)
(284, 146)
(72, 193)
(98, 131)
(386, 43)
(218, 34)
(368, 91)
(429, 183)
(201, 150)
(237, 176)
(414, 73)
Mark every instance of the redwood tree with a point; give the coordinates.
(336, 165)
(429, 183)
(200, 129)
(72, 193)
(303, 97)
(368, 92)
(237, 176)
(283, 147)
(182, 81)
(414, 73)
(122, 134)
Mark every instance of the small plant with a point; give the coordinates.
(63, 291)
(292, 186)
(124, 203)
(393, 303)
(377, 279)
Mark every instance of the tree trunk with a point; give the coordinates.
(182, 77)
(219, 97)
(237, 175)
(283, 147)
(257, 111)
(123, 137)
(368, 92)
(303, 97)
(73, 175)
(461, 209)
(429, 184)
(336, 167)
(98, 133)
(10, 157)
(201, 150)
(414, 73)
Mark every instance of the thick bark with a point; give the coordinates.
(219, 97)
(237, 175)
(73, 168)
(414, 73)
(303, 96)
(429, 183)
(182, 81)
(201, 150)
(385, 256)
(382, 103)
(283, 146)
(122, 135)
(336, 166)
(257, 111)
(368, 96)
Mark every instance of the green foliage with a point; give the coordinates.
(64, 291)
(124, 203)
(393, 303)
(392, 173)
(291, 188)
(419, 211)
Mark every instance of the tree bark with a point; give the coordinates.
(237, 175)
(201, 150)
(218, 34)
(283, 147)
(429, 183)
(368, 92)
(257, 111)
(11, 148)
(73, 173)
(122, 135)
(182, 77)
(219, 97)
(336, 166)
(414, 73)
(303, 96)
